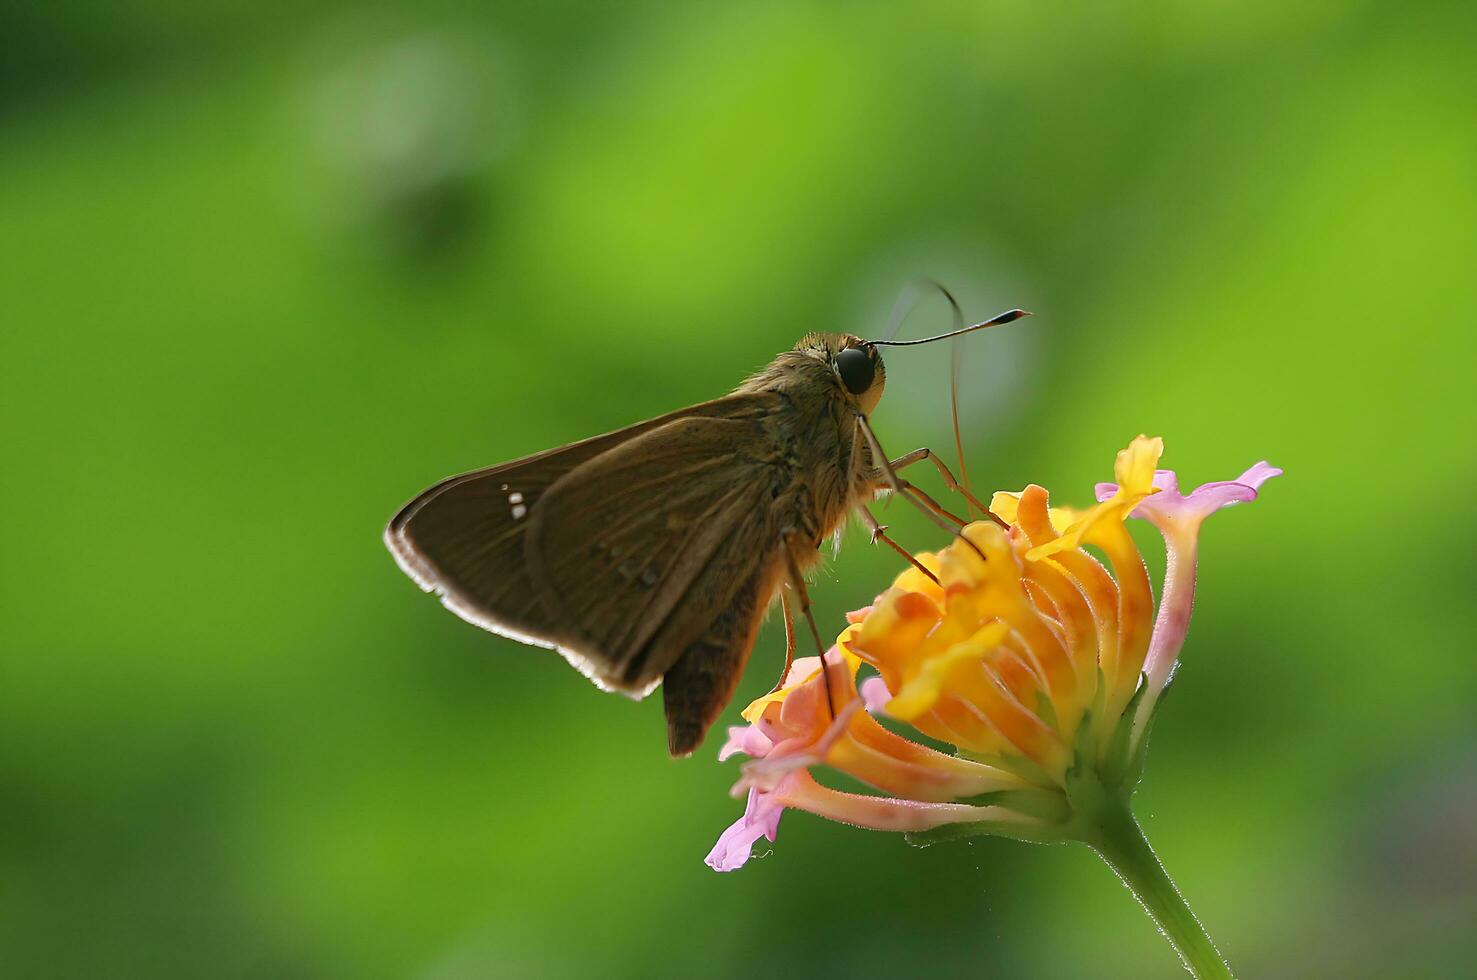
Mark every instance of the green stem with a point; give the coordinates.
(1118, 840)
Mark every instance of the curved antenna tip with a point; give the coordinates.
(1009, 316)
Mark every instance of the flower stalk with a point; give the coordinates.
(1118, 839)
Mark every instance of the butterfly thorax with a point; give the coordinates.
(819, 463)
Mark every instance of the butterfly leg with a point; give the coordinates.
(797, 582)
(912, 490)
(884, 477)
(879, 533)
(789, 638)
(919, 455)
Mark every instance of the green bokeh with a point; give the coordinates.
(264, 274)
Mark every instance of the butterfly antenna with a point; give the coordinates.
(1009, 316)
(956, 364)
(907, 301)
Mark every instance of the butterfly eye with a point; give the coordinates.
(856, 368)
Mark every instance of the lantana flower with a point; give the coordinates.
(1040, 664)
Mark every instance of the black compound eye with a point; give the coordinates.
(857, 368)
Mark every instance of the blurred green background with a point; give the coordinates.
(267, 270)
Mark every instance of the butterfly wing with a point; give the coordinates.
(638, 551)
(619, 551)
(463, 537)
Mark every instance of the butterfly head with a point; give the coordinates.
(855, 363)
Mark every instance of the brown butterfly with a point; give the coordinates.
(649, 555)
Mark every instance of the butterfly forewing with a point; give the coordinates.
(463, 538)
(617, 551)
(639, 549)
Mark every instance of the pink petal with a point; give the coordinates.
(1178, 519)
(735, 845)
(1209, 497)
(800, 752)
(745, 740)
(1259, 474)
(875, 694)
(800, 791)
(803, 667)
